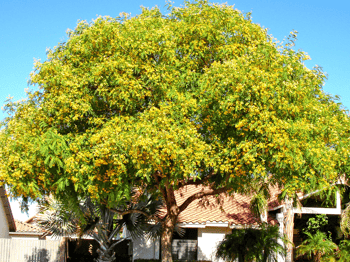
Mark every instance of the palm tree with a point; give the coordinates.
(269, 247)
(98, 221)
(317, 246)
(237, 245)
(248, 244)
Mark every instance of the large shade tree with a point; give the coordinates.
(199, 96)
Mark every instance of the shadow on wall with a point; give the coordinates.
(38, 255)
(184, 249)
(202, 257)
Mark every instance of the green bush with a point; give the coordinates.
(158, 260)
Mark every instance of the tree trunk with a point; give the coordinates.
(166, 240)
(169, 225)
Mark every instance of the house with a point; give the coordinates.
(27, 231)
(12, 228)
(285, 213)
(206, 222)
(22, 242)
(7, 223)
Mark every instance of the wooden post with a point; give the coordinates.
(289, 227)
(280, 219)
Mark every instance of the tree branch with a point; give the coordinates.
(199, 195)
(156, 176)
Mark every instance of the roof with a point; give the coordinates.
(233, 209)
(7, 208)
(27, 228)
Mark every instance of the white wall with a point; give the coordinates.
(145, 248)
(208, 239)
(24, 236)
(4, 228)
(24, 250)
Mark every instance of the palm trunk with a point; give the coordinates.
(104, 236)
(106, 255)
(106, 250)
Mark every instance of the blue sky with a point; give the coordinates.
(28, 28)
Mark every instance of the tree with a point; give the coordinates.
(268, 244)
(240, 244)
(249, 244)
(201, 96)
(317, 246)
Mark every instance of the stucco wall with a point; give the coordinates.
(145, 248)
(4, 229)
(208, 239)
(24, 236)
(25, 250)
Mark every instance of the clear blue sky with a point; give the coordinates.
(27, 28)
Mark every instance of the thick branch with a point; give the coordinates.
(162, 191)
(199, 195)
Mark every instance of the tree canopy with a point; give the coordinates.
(201, 95)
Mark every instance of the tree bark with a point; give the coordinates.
(169, 224)
(173, 211)
(166, 239)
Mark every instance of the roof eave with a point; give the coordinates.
(26, 233)
(6, 204)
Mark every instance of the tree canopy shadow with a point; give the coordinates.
(38, 255)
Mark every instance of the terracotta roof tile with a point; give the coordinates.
(234, 209)
(27, 228)
(274, 201)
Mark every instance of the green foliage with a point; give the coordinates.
(258, 205)
(317, 246)
(316, 223)
(249, 244)
(147, 260)
(157, 260)
(158, 101)
(344, 254)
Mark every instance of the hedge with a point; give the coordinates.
(158, 260)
